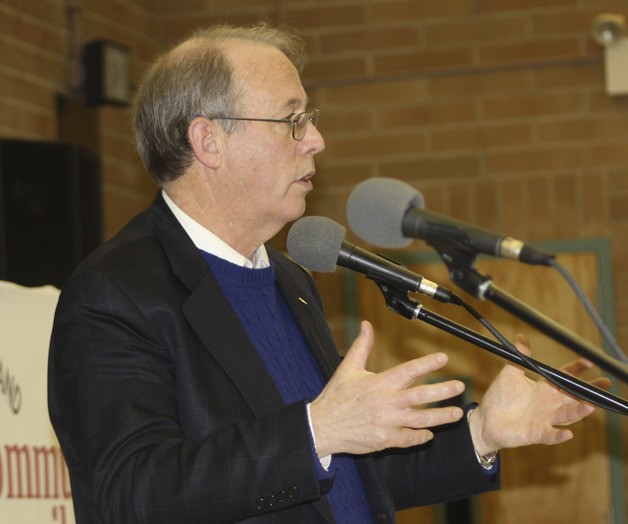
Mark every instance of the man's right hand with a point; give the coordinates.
(362, 412)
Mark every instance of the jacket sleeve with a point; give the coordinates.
(442, 470)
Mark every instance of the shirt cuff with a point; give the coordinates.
(490, 462)
(325, 461)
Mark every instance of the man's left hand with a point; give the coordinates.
(517, 411)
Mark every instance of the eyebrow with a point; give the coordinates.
(293, 103)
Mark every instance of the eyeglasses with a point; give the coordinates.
(299, 122)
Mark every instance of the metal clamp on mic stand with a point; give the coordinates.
(397, 300)
(461, 260)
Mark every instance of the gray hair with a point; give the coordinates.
(195, 78)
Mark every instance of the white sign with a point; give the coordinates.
(34, 481)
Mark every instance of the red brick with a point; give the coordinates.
(50, 12)
(23, 121)
(619, 208)
(480, 137)
(422, 61)
(323, 69)
(594, 209)
(575, 76)
(434, 194)
(611, 154)
(479, 84)
(423, 115)
(486, 205)
(568, 206)
(240, 5)
(569, 21)
(334, 122)
(475, 30)
(182, 6)
(533, 159)
(488, 6)
(527, 106)
(432, 167)
(374, 94)
(598, 101)
(460, 201)
(334, 15)
(383, 145)
(618, 181)
(391, 10)
(342, 173)
(529, 51)
(513, 198)
(375, 39)
(577, 129)
(540, 210)
(119, 206)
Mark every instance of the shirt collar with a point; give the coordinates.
(207, 241)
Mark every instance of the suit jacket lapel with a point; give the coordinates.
(212, 318)
(218, 326)
(307, 316)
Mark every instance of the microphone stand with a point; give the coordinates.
(460, 260)
(398, 301)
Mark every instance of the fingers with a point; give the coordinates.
(403, 374)
(411, 428)
(580, 366)
(415, 432)
(429, 393)
(408, 400)
(564, 416)
(406, 373)
(577, 367)
(361, 412)
(571, 413)
(412, 437)
(429, 418)
(411, 417)
(556, 436)
(522, 344)
(359, 352)
(602, 383)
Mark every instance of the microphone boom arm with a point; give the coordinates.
(398, 301)
(460, 260)
(481, 286)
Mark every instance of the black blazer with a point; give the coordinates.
(165, 412)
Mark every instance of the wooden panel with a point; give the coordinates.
(567, 483)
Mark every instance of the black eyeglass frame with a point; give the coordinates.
(311, 117)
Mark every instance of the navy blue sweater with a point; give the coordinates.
(264, 314)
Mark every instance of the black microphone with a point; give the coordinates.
(318, 243)
(389, 213)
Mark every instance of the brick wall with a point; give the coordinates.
(494, 109)
(40, 42)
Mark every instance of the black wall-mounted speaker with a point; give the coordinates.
(50, 210)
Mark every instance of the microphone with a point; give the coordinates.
(318, 243)
(389, 213)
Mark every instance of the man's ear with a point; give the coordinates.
(203, 135)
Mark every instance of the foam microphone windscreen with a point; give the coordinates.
(376, 208)
(315, 242)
